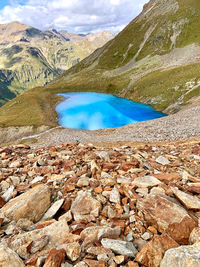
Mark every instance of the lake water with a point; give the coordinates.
(92, 111)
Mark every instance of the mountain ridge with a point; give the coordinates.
(33, 57)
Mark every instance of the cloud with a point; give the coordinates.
(81, 16)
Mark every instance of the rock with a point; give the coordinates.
(96, 233)
(194, 188)
(146, 236)
(83, 181)
(152, 253)
(73, 251)
(55, 258)
(190, 202)
(195, 235)
(56, 232)
(146, 181)
(9, 258)
(168, 177)
(31, 205)
(2, 202)
(119, 259)
(162, 160)
(24, 224)
(4, 186)
(52, 210)
(160, 212)
(85, 207)
(103, 155)
(115, 196)
(184, 256)
(8, 194)
(120, 247)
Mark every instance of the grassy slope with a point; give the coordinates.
(159, 88)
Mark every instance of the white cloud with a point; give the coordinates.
(73, 15)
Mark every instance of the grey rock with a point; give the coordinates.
(120, 247)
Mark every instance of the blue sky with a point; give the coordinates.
(79, 16)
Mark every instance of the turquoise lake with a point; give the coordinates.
(92, 111)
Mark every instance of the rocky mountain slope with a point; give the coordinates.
(154, 60)
(30, 57)
(82, 205)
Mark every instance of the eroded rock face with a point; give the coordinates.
(31, 205)
(85, 207)
(9, 258)
(184, 256)
(153, 252)
(167, 217)
(56, 233)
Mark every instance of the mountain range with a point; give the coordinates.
(154, 60)
(30, 57)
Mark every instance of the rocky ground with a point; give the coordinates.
(180, 126)
(81, 205)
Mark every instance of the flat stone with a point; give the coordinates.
(190, 202)
(52, 210)
(162, 160)
(9, 258)
(120, 247)
(31, 205)
(96, 233)
(167, 216)
(152, 253)
(168, 177)
(184, 256)
(146, 181)
(194, 188)
(85, 207)
(115, 196)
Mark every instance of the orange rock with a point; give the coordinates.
(133, 264)
(98, 190)
(67, 204)
(152, 253)
(43, 224)
(68, 188)
(2, 202)
(152, 230)
(55, 258)
(167, 216)
(167, 177)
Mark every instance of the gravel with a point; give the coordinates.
(180, 126)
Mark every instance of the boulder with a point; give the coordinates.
(167, 216)
(190, 202)
(9, 258)
(52, 210)
(56, 233)
(85, 207)
(152, 253)
(146, 181)
(31, 205)
(184, 256)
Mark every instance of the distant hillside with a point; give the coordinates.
(154, 60)
(30, 57)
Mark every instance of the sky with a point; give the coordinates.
(78, 16)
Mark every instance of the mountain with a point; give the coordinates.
(154, 60)
(30, 57)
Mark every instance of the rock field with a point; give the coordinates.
(81, 205)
